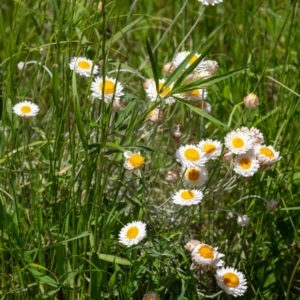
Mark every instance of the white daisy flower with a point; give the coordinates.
(212, 148)
(210, 2)
(205, 106)
(210, 66)
(132, 233)
(187, 197)
(195, 95)
(204, 256)
(111, 88)
(83, 66)
(181, 56)
(254, 133)
(191, 156)
(155, 115)
(243, 220)
(133, 160)
(246, 164)
(162, 92)
(26, 109)
(267, 154)
(194, 177)
(231, 281)
(238, 142)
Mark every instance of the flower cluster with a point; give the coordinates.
(250, 153)
(206, 257)
(103, 88)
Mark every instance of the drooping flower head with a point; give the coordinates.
(83, 66)
(231, 281)
(187, 197)
(106, 89)
(26, 109)
(204, 256)
(132, 233)
(133, 160)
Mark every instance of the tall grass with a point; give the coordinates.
(65, 193)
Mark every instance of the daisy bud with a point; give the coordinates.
(190, 245)
(243, 221)
(168, 69)
(151, 296)
(171, 176)
(271, 205)
(176, 133)
(100, 4)
(251, 101)
(228, 156)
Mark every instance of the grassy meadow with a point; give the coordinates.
(65, 194)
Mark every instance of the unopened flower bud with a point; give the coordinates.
(228, 156)
(271, 205)
(100, 5)
(243, 220)
(190, 245)
(21, 65)
(171, 176)
(251, 101)
(176, 133)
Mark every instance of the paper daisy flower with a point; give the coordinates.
(191, 156)
(155, 115)
(243, 220)
(231, 281)
(211, 148)
(246, 164)
(151, 296)
(133, 160)
(83, 66)
(195, 95)
(162, 92)
(26, 109)
(181, 56)
(211, 66)
(187, 197)
(266, 154)
(210, 2)
(205, 106)
(254, 133)
(238, 142)
(132, 233)
(194, 177)
(204, 256)
(107, 89)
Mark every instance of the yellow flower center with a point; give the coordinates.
(136, 160)
(191, 154)
(164, 92)
(231, 280)
(209, 148)
(195, 93)
(193, 174)
(109, 87)
(132, 232)
(25, 109)
(266, 152)
(206, 251)
(245, 163)
(153, 113)
(84, 65)
(193, 59)
(187, 195)
(237, 142)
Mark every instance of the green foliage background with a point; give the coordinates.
(64, 192)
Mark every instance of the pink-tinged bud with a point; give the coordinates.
(251, 101)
